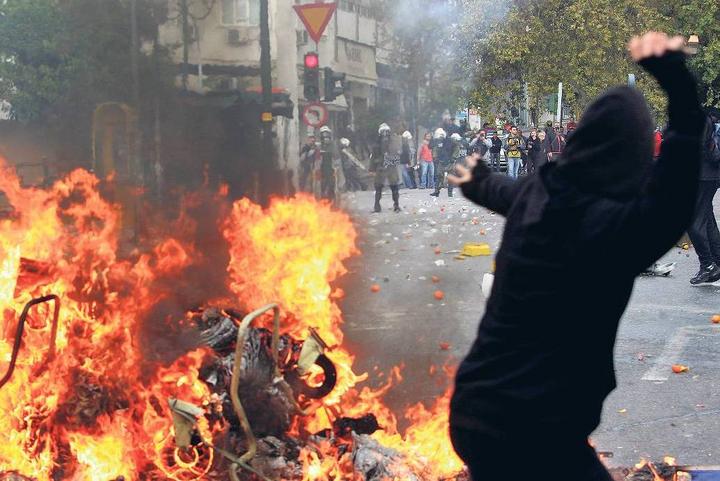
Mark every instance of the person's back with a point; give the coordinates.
(542, 364)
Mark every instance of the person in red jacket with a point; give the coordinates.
(658, 143)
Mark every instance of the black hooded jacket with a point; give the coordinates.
(542, 363)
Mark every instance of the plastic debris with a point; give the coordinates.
(440, 263)
(476, 250)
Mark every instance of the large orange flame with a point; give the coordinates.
(88, 413)
(291, 253)
(96, 411)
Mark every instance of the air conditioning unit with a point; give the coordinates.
(235, 37)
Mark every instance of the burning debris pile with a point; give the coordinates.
(276, 378)
(87, 398)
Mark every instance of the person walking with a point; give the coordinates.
(407, 161)
(704, 232)
(427, 167)
(513, 153)
(536, 377)
(384, 164)
(496, 146)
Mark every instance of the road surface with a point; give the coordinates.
(652, 413)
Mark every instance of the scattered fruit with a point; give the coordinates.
(438, 251)
(686, 247)
(436, 280)
(679, 368)
(482, 232)
(444, 346)
(375, 288)
(716, 319)
(439, 295)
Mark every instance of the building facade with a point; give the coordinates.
(223, 54)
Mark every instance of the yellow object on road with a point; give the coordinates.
(476, 250)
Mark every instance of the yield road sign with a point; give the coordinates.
(315, 115)
(315, 17)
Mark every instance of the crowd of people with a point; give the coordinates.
(397, 161)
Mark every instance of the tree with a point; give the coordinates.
(581, 43)
(64, 56)
(431, 45)
(701, 18)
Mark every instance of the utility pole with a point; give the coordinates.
(134, 49)
(267, 161)
(184, 15)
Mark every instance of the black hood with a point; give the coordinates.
(610, 152)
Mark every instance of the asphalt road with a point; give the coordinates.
(653, 413)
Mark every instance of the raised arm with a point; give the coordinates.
(653, 222)
(479, 184)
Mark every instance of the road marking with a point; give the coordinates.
(672, 352)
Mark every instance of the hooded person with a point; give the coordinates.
(384, 163)
(534, 382)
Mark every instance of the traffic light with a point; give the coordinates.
(311, 77)
(332, 89)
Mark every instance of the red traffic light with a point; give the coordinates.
(312, 61)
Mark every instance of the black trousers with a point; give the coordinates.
(704, 232)
(493, 459)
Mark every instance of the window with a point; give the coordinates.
(240, 12)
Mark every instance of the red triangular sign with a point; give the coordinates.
(316, 17)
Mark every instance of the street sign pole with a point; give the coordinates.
(559, 104)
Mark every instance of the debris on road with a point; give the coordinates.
(375, 288)
(476, 250)
(716, 319)
(444, 346)
(436, 280)
(439, 295)
(679, 368)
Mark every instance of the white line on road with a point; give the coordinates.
(672, 352)
(670, 355)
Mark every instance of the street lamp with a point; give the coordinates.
(693, 45)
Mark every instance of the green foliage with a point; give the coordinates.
(60, 58)
(582, 43)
